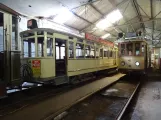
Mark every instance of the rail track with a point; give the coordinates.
(109, 103)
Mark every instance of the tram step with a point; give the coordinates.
(61, 80)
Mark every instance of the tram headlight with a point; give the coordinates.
(122, 63)
(137, 63)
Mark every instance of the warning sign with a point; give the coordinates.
(36, 68)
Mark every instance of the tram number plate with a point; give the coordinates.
(36, 68)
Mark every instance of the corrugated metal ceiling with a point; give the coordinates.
(142, 15)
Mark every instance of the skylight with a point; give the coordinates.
(102, 24)
(114, 16)
(111, 18)
(105, 36)
(63, 16)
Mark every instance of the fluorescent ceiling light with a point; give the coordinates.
(105, 36)
(63, 16)
(110, 18)
(102, 24)
(114, 16)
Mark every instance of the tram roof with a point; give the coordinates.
(132, 40)
(9, 10)
(48, 30)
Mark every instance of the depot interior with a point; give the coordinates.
(110, 20)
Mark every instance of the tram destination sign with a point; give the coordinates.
(89, 36)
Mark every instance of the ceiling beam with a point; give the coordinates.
(146, 21)
(124, 17)
(88, 21)
(151, 8)
(157, 14)
(143, 10)
(139, 14)
(102, 15)
(106, 14)
(86, 3)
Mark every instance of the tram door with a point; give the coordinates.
(61, 57)
(9, 53)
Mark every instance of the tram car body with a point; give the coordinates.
(65, 58)
(9, 49)
(133, 56)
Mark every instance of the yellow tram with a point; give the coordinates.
(133, 55)
(64, 58)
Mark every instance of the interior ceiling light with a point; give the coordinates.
(105, 36)
(63, 16)
(112, 17)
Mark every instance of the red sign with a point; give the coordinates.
(36, 68)
(89, 36)
(36, 63)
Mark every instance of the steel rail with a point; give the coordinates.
(128, 102)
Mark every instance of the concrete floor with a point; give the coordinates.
(148, 103)
(53, 105)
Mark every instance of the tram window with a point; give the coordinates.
(62, 50)
(79, 50)
(26, 49)
(90, 43)
(97, 53)
(143, 48)
(40, 46)
(48, 33)
(1, 32)
(87, 51)
(14, 33)
(80, 40)
(57, 52)
(105, 53)
(137, 48)
(71, 50)
(32, 49)
(110, 53)
(40, 33)
(29, 48)
(122, 49)
(129, 47)
(92, 52)
(101, 52)
(49, 46)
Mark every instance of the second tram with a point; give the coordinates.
(133, 56)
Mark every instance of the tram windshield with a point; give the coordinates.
(132, 49)
(129, 49)
(137, 49)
